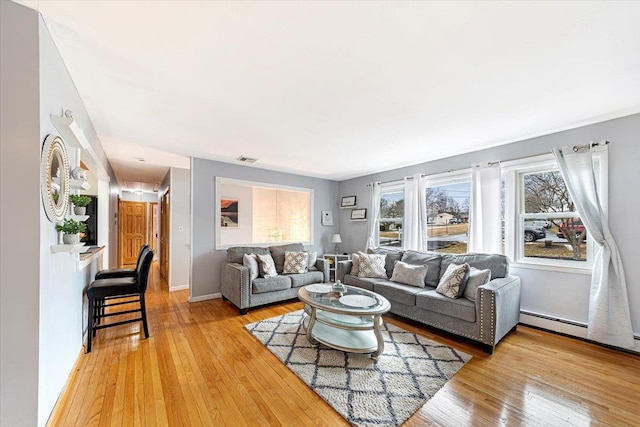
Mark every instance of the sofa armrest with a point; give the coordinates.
(344, 267)
(323, 265)
(235, 284)
(499, 308)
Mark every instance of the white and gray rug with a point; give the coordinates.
(366, 393)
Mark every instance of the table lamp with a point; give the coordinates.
(337, 240)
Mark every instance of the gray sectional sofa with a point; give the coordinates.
(495, 311)
(241, 289)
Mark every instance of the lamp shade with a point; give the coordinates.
(336, 239)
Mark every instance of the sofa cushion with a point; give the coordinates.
(270, 284)
(355, 263)
(393, 255)
(409, 274)
(404, 294)
(453, 280)
(251, 261)
(372, 265)
(460, 308)
(267, 267)
(311, 261)
(236, 253)
(303, 279)
(498, 264)
(476, 279)
(432, 259)
(277, 252)
(360, 282)
(295, 262)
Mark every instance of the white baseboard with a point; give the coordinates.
(567, 327)
(205, 297)
(178, 288)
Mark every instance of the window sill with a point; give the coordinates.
(584, 270)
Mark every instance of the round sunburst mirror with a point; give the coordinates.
(54, 178)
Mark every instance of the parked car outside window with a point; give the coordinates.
(573, 225)
(539, 223)
(532, 233)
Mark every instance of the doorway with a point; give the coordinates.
(164, 236)
(153, 227)
(132, 231)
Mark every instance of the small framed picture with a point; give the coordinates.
(348, 202)
(327, 217)
(358, 214)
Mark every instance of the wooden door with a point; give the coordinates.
(132, 231)
(164, 236)
(153, 227)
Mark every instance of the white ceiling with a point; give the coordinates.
(340, 89)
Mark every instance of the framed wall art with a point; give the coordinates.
(229, 213)
(348, 202)
(358, 215)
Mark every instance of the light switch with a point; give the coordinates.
(180, 228)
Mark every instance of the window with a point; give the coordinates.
(448, 212)
(541, 222)
(391, 215)
(261, 214)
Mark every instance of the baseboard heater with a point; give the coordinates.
(566, 327)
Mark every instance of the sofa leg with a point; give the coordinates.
(487, 348)
(243, 311)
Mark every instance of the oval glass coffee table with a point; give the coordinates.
(348, 321)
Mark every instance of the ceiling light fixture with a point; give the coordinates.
(247, 159)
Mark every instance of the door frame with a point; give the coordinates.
(121, 223)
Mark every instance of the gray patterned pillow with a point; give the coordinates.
(476, 279)
(267, 266)
(409, 274)
(372, 265)
(452, 282)
(311, 261)
(295, 262)
(250, 260)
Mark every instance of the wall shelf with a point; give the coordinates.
(79, 217)
(66, 249)
(79, 184)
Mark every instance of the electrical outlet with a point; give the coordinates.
(180, 228)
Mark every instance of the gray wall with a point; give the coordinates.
(20, 244)
(206, 261)
(556, 294)
(180, 219)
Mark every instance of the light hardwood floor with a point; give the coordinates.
(199, 367)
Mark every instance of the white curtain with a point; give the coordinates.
(415, 213)
(609, 314)
(485, 216)
(374, 192)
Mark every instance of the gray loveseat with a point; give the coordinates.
(238, 286)
(495, 311)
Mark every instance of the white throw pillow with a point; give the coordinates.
(295, 262)
(409, 274)
(311, 261)
(267, 266)
(476, 279)
(250, 260)
(372, 265)
(355, 263)
(452, 282)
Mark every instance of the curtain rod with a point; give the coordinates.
(589, 145)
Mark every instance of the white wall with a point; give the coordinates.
(549, 293)
(20, 207)
(180, 223)
(206, 260)
(62, 302)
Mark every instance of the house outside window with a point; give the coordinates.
(448, 212)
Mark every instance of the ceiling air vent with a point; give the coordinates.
(247, 159)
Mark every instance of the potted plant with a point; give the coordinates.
(80, 203)
(71, 229)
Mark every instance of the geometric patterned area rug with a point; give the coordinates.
(365, 392)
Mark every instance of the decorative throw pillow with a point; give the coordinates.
(250, 260)
(311, 261)
(372, 265)
(295, 262)
(355, 263)
(452, 282)
(267, 266)
(409, 274)
(476, 279)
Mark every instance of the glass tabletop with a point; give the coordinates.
(355, 300)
